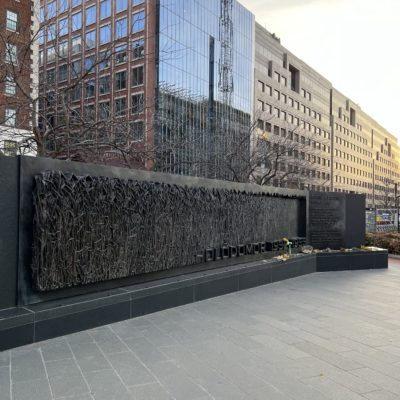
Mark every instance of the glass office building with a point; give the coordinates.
(204, 86)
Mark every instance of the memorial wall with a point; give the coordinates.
(84, 228)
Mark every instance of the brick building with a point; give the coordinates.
(97, 78)
(18, 74)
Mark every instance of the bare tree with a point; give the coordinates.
(384, 194)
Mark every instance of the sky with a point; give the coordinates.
(352, 43)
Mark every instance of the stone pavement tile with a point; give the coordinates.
(86, 396)
(26, 365)
(126, 329)
(79, 338)
(89, 357)
(130, 369)
(4, 358)
(336, 359)
(53, 351)
(332, 389)
(390, 350)
(239, 339)
(204, 375)
(329, 345)
(149, 391)
(144, 350)
(267, 393)
(276, 323)
(37, 389)
(284, 336)
(306, 367)
(352, 344)
(5, 383)
(106, 385)
(67, 367)
(280, 347)
(388, 369)
(349, 381)
(107, 340)
(68, 385)
(382, 381)
(177, 382)
(381, 395)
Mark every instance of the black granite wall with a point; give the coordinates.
(335, 220)
(9, 206)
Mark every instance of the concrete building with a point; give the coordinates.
(345, 149)
(18, 74)
(293, 108)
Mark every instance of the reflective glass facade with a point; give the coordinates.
(205, 84)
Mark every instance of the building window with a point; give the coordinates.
(12, 21)
(76, 68)
(294, 78)
(138, 22)
(10, 147)
(138, 49)
(76, 93)
(120, 80)
(63, 6)
(76, 44)
(51, 9)
(76, 2)
(89, 113)
(137, 2)
(104, 110)
(104, 84)
(121, 5)
(104, 60)
(63, 49)
(63, 27)
(90, 40)
(11, 53)
(121, 28)
(51, 76)
(105, 9)
(105, 34)
(136, 130)
(137, 103)
(90, 89)
(90, 64)
(63, 73)
(138, 76)
(120, 54)
(41, 14)
(51, 32)
(90, 15)
(51, 54)
(76, 22)
(10, 87)
(10, 117)
(120, 106)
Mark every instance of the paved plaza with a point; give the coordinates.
(323, 336)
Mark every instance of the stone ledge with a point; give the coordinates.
(25, 325)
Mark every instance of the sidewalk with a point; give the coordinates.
(321, 336)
